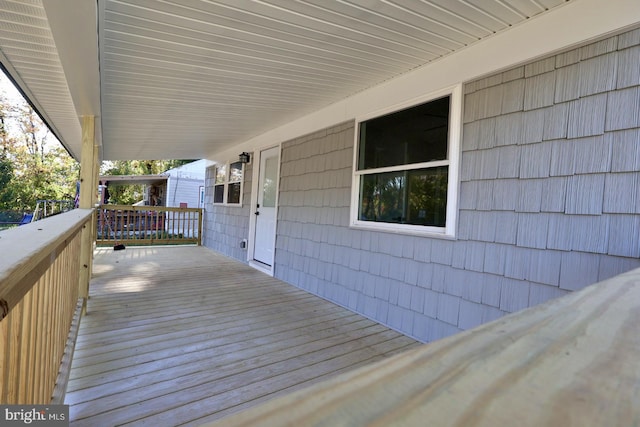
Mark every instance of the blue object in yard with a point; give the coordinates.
(26, 218)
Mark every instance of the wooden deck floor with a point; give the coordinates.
(182, 336)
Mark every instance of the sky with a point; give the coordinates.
(9, 89)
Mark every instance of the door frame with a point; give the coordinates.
(255, 178)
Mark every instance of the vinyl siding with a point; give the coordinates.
(224, 227)
(183, 190)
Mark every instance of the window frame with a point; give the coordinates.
(227, 182)
(452, 162)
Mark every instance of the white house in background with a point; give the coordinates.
(185, 184)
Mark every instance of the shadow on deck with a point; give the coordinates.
(182, 336)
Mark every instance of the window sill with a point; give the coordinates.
(409, 230)
(228, 205)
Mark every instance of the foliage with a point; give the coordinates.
(6, 189)
(33, 164)
(417, 197)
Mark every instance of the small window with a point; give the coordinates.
(405, 165)
(227, 187)
(235, 183)
(218, 188)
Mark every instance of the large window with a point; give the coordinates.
(227, 188)
(405, 165)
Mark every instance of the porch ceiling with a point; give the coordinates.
(189, 78)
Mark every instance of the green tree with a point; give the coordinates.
(33, 164)
(6, 191)
(6, 165)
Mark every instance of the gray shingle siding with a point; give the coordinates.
(625, 150)
(567, 84)
(623, 109)
(224, 227)
(628, 70)
(539, 67)
(539, 91)
(599, 48)
(587, 116)
(585, 194)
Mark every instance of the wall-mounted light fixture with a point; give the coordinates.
(244, 157)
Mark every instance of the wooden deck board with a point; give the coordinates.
(184, 334)
(389, 348)
(240, 326)
(169, 368)
(199, 358)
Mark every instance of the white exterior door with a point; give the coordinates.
(265, 210)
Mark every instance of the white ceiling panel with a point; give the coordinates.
(202, 75)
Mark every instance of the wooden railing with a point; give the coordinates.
(148, 225)
(573, 361)
(39, 305)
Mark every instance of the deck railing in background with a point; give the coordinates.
(148, 225)
(39, 304)
(47, 208)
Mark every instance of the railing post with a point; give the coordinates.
(94, 217)
(88, 188)
(200, 227)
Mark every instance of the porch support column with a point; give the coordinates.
(88, 198)
(96, 182)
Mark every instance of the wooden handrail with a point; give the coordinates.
(573, 361)
(39, 285)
